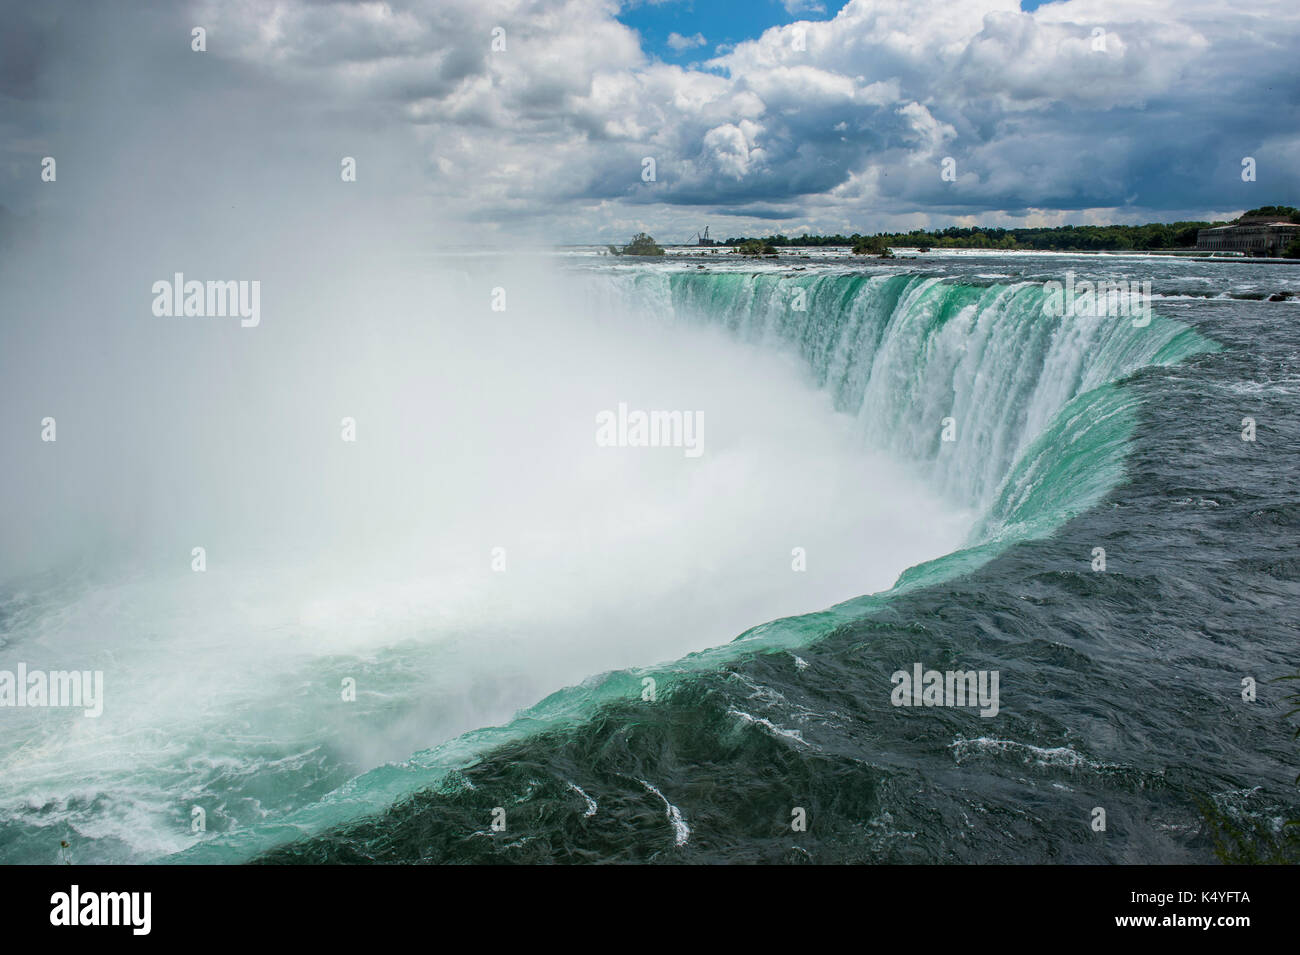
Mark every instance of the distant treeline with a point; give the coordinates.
(1067, 238)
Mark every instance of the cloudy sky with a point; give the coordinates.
(759, 115)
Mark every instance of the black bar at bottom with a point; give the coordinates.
(330, 905)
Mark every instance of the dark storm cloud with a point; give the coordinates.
(850, 116)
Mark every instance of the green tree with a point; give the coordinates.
(1275, 212)
(755, 247)
(641, 244)
(875, 245)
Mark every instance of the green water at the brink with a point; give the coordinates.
(1039, 401)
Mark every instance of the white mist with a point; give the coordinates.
(373, 560)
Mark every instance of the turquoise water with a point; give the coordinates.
(1043, 420)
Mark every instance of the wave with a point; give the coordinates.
(1035, 407)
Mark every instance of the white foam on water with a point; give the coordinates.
(681, 831)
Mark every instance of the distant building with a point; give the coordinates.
(1258, 235)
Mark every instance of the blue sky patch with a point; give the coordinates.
(687, 31)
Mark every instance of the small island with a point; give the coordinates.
(641, 244)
